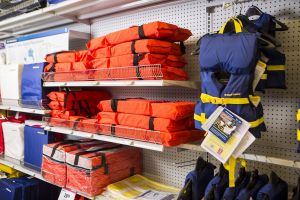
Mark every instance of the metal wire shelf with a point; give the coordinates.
(142, 72)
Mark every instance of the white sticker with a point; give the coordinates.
(66, 195)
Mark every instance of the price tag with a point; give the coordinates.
(66, 195)
(156, 195)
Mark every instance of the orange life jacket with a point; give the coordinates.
(168, 110)
(153, 30)
(157, 137)
(90, 170)
(145, 122)
(139, 59)
(139, 46)
(78, 95)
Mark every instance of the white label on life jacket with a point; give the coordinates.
(66, 195)
(259, 71)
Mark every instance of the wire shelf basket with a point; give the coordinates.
(142, 72)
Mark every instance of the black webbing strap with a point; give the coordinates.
(151, 123)
(136, 60)
(67, 97)
(141, 32)
(132, 171)
(103, 155)
(113, 129)
(61, 143)
(55, 58)
(133, 47)
(182, 47)
(77, 122)
(82, 108)
(114, 104)
(52, 68)
(88, 107)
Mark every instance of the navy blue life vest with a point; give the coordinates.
(265, 23)
(218, 54)
(199, 181)
(231, 192)
(277, 191)
(216, 187)
(247, 193)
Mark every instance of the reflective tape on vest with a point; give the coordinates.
(222, 101)
(257, 122)
(298, 135)
(276, 67)
(264, 77)
(298, 115)
(201, 118)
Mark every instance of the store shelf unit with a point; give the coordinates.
(25, 110)
(18, 165)
(124, 83)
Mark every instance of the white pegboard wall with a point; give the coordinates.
(280, 106)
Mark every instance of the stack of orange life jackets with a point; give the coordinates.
(54, 169)
(65, 64)
(167, 123)
(72, 106)
(90, 170)
(139, 46)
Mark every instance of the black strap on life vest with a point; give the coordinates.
(77, 122)
(68, 93)
(55, 58)
(83, 109)
(103, 156)
(61, 143)
(141, 32)
(87, 107)
(182, 48)
(114, 104)
(151, 123)
(133, 47)
(113, 129)
(136, 59)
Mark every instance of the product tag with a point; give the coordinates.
(225, 132)
(259, 71)
(156, 195)
(225, 125)
(247, 140)
(66, 195)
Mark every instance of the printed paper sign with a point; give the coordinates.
(225, 125)
(223, 137)
(66, 195)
